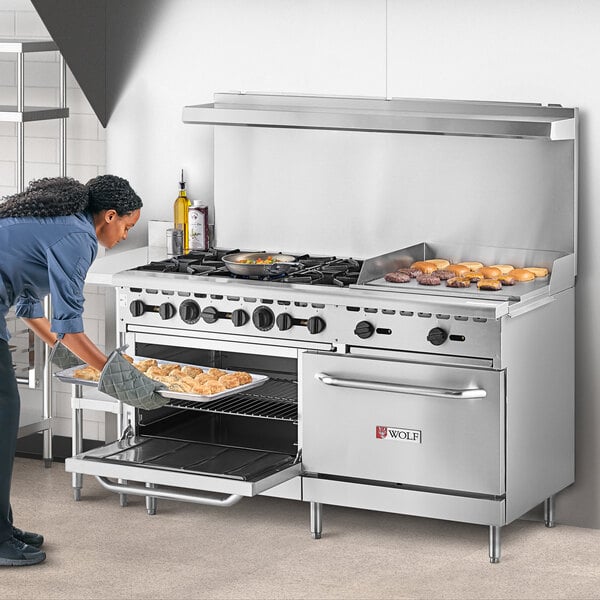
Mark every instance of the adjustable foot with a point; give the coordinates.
(150, 501)
(494, 544)
(316, 520)
(77, 494)
(549, 512)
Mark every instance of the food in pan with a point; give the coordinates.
(216, 373)
(397, 277)
(459, 282)
(489, 284)
(504, 269)
(441, 263)
(210, 387)
(507, 280)
(268, 260)
(472, 264)
(522, 275)
(473, 276)
(458, 270)
(87, 374)
(191, 371)
(490, 272)
(428, 279)
(144, 365)
(425, 267)
(443, 274)
(538, 271)
(127, 358)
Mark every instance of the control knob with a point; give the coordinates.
(263, 318)
(437, 336)
(210, 314)
(239, 317)
(189, 311)
(166, 311)
(137, 308)
(284, 321)
(364, 330)
(315, 325)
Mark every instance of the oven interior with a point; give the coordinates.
(244, 436)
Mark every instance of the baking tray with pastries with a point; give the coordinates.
(182, 381)
(436, 271)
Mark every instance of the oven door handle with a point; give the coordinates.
(138, 490)
(400, 388)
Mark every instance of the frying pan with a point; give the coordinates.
(284, 262)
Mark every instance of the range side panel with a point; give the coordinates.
(538, 350)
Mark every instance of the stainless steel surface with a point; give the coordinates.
(31, 113)
(398, 388)
(494, 544)
(23, 45)
(316, 520)
(137, 490)
(175, 244)
(395, 115)
(549, 512)
(77, 441)
(150, 500)
(401, 438)
(62, 159)
(283, 263)
(6, 112)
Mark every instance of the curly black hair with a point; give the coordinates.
(61, 196)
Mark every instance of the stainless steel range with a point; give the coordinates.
(432, 401)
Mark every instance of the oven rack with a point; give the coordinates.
(276, 399)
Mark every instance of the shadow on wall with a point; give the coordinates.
(101, 42)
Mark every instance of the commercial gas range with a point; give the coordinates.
(438, 402)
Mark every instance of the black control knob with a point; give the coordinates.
(364, 330)
(189, 311)
(239, 317)
(137, 308)
(437, 336)
(210, 314)
(315, 325)
(167, 311)
(284, 321)
(263, 318)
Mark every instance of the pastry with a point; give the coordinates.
(472, 264)
(216, 373)
(144, 365)
(489, 284)
(87, 374)
(538, 271)
(230, 380)
(243, 377)
(127, 358)
(522, 275)
(210, 387)
(191, 371)
(425, 267)
(505, 269)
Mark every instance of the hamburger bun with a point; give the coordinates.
(472, 264)
(522, 275)
(441, 263)
(490, 272)
(505, 269)
(458, 270)
(425, 267)
(538, 271)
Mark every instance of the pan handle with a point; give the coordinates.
(400, 388)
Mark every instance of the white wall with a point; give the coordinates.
(537, 51)
(86, 157)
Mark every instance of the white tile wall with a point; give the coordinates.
(86, 158)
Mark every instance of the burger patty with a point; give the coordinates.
(428, 280)
(459, 282)
(413, 273)
(443, 274)
(397, 277)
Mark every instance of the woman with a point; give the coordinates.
(49, 236)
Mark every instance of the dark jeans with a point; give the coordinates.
(10, 406)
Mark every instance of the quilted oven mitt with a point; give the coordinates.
(121, 380)
(62, 357)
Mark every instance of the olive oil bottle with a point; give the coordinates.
(180, 213)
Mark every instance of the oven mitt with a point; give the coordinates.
(121, 380)
(62, 357)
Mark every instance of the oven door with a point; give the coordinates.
(406, 424)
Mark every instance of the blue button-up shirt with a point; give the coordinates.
(41, 255)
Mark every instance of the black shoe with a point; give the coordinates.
(14, 553)
(27, 537)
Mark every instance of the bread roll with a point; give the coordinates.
(191, 371)
(489, 284)
(87, 374)
(458, 270)
(538, 271)
(441, 263)
(490, 272)
(522, 275)
(472, 264)
(505, 269)
(425, 267)
(243, 377)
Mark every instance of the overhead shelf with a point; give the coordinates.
(23, 46)
(434, 117)
(32, 113)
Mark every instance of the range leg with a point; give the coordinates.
(494, 544)
(150, 501)
(549, 511)
(77, 446)
(316, 520)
